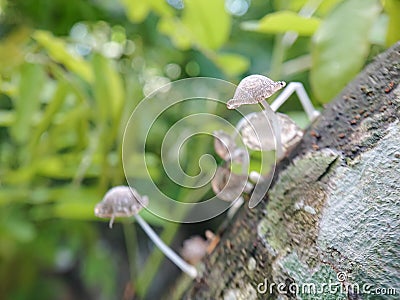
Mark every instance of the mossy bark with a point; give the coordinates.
(332, 214)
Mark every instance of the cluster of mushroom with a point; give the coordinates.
(263, 131)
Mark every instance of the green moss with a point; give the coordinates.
(295, 205)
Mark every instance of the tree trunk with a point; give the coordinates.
(332, 213)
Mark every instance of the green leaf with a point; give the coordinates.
(108, 87)
(57, 50)
(7, 118)
(12, 195)
(392, 8)
(51, 109)
(161, 7)
(69, 128)
(178, 33)
(327, 6)
(296, 5)
(283, 21)
(74, 210)
(341, 46)
(75, 203)
(28, 101)
(378, 34)
(12, 48)
(19, 176)
(232, 64)
(138, 10)
(208, 22)
(323, 7)
(64, 166)
(135, 168)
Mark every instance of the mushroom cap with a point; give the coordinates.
(228, 186)
(120, 201)
(224, 144)
(227, 149)
(253, 89)
(257, 134)
(194, 249)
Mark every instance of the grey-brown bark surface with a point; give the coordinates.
(332, 214)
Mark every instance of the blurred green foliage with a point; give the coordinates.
(71, 72)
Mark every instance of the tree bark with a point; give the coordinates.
(332, 214)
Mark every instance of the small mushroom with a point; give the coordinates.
(255, 134)
(194, 249)
(124, 201)
(120, 201)
(229, 186)
(227, 149)
(254, 89)
(224, 145)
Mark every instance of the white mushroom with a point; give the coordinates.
(124, 201)
(254, 89)
(194, 249)
(229, 186)
(257, 134)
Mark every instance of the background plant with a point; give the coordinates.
(71, 72)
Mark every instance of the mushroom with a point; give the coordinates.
(124, 201)
(255, 89)
(229, 186)
(255, 134)
(196, 247)
(226, 148)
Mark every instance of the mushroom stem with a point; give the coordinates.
(270, 114)
(298, 88)
(175, 258)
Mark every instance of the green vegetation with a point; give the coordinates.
(71, 72)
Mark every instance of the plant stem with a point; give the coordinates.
(154, 260)
(276, 128)
(131, 247)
